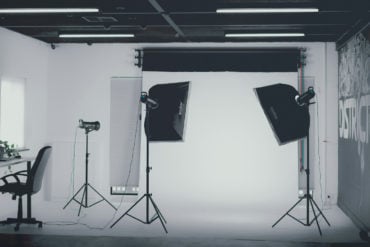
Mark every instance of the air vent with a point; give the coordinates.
(96, 19)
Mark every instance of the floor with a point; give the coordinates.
(76, 241)
(227, 227)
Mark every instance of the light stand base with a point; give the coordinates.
(313, 204)
(157, 215)
(84, 201)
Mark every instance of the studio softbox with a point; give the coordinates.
(288, 119)
(166, 122)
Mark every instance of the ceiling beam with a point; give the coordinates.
(167, 17)
(358, 27)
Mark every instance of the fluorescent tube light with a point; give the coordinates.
(112, 35)
(47, 10)
(266, 10)
(262, 35)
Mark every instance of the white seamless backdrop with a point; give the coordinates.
(230, 157)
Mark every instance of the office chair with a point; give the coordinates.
(31, 186)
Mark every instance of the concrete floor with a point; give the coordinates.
(7, 240)
(237, 225)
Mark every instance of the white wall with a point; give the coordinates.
(23, 57)
(28, 58)
(79, 88)
(330, 143)
(322, 64)
(73, 82)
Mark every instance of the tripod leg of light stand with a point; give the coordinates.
(147, 195)
(157, 210)
(82, 199)
(320, 212)
(73, 197)
(160, 216)
(314, 214)
(102, 196)
(128, 210)
(287, 212)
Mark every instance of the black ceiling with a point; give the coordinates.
(187, 20)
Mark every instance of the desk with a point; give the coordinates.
(17, 161)
(13, 162)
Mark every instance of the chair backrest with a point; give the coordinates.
(34, 180)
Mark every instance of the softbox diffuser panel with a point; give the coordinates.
(288, 120)
(167, 122)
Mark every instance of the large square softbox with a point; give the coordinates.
(289, 120)
(166, 122)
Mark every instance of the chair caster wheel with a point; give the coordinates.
(40, 225)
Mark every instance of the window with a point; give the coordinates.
(12, 106)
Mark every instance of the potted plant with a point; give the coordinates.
(8, 151)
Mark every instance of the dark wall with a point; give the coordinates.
(354, 130)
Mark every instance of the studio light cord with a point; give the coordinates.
(78, 222)
(129, 171)
(318, 150)
(72, 181)
(319, 156)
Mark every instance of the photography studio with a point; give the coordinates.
(185, 123)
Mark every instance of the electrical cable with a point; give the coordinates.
(130, 168)
(318, 152)
(300, 90)
(60, 223)
(72, 176)
(68, 223)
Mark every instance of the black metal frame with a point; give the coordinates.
(86, 185)
(147, 195)
(309, 199)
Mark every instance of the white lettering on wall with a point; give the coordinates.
(354, 118)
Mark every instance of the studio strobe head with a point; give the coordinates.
(89, 126)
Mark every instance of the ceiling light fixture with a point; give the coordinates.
(112, 35)
(263, 35)
(266, 10)
(47, 10)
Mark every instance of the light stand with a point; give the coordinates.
(307, 196)
(147, 195)
(86, 185)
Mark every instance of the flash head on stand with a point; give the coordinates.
(151, 103)
(304, 99)
(143, 97)
(89, 126)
